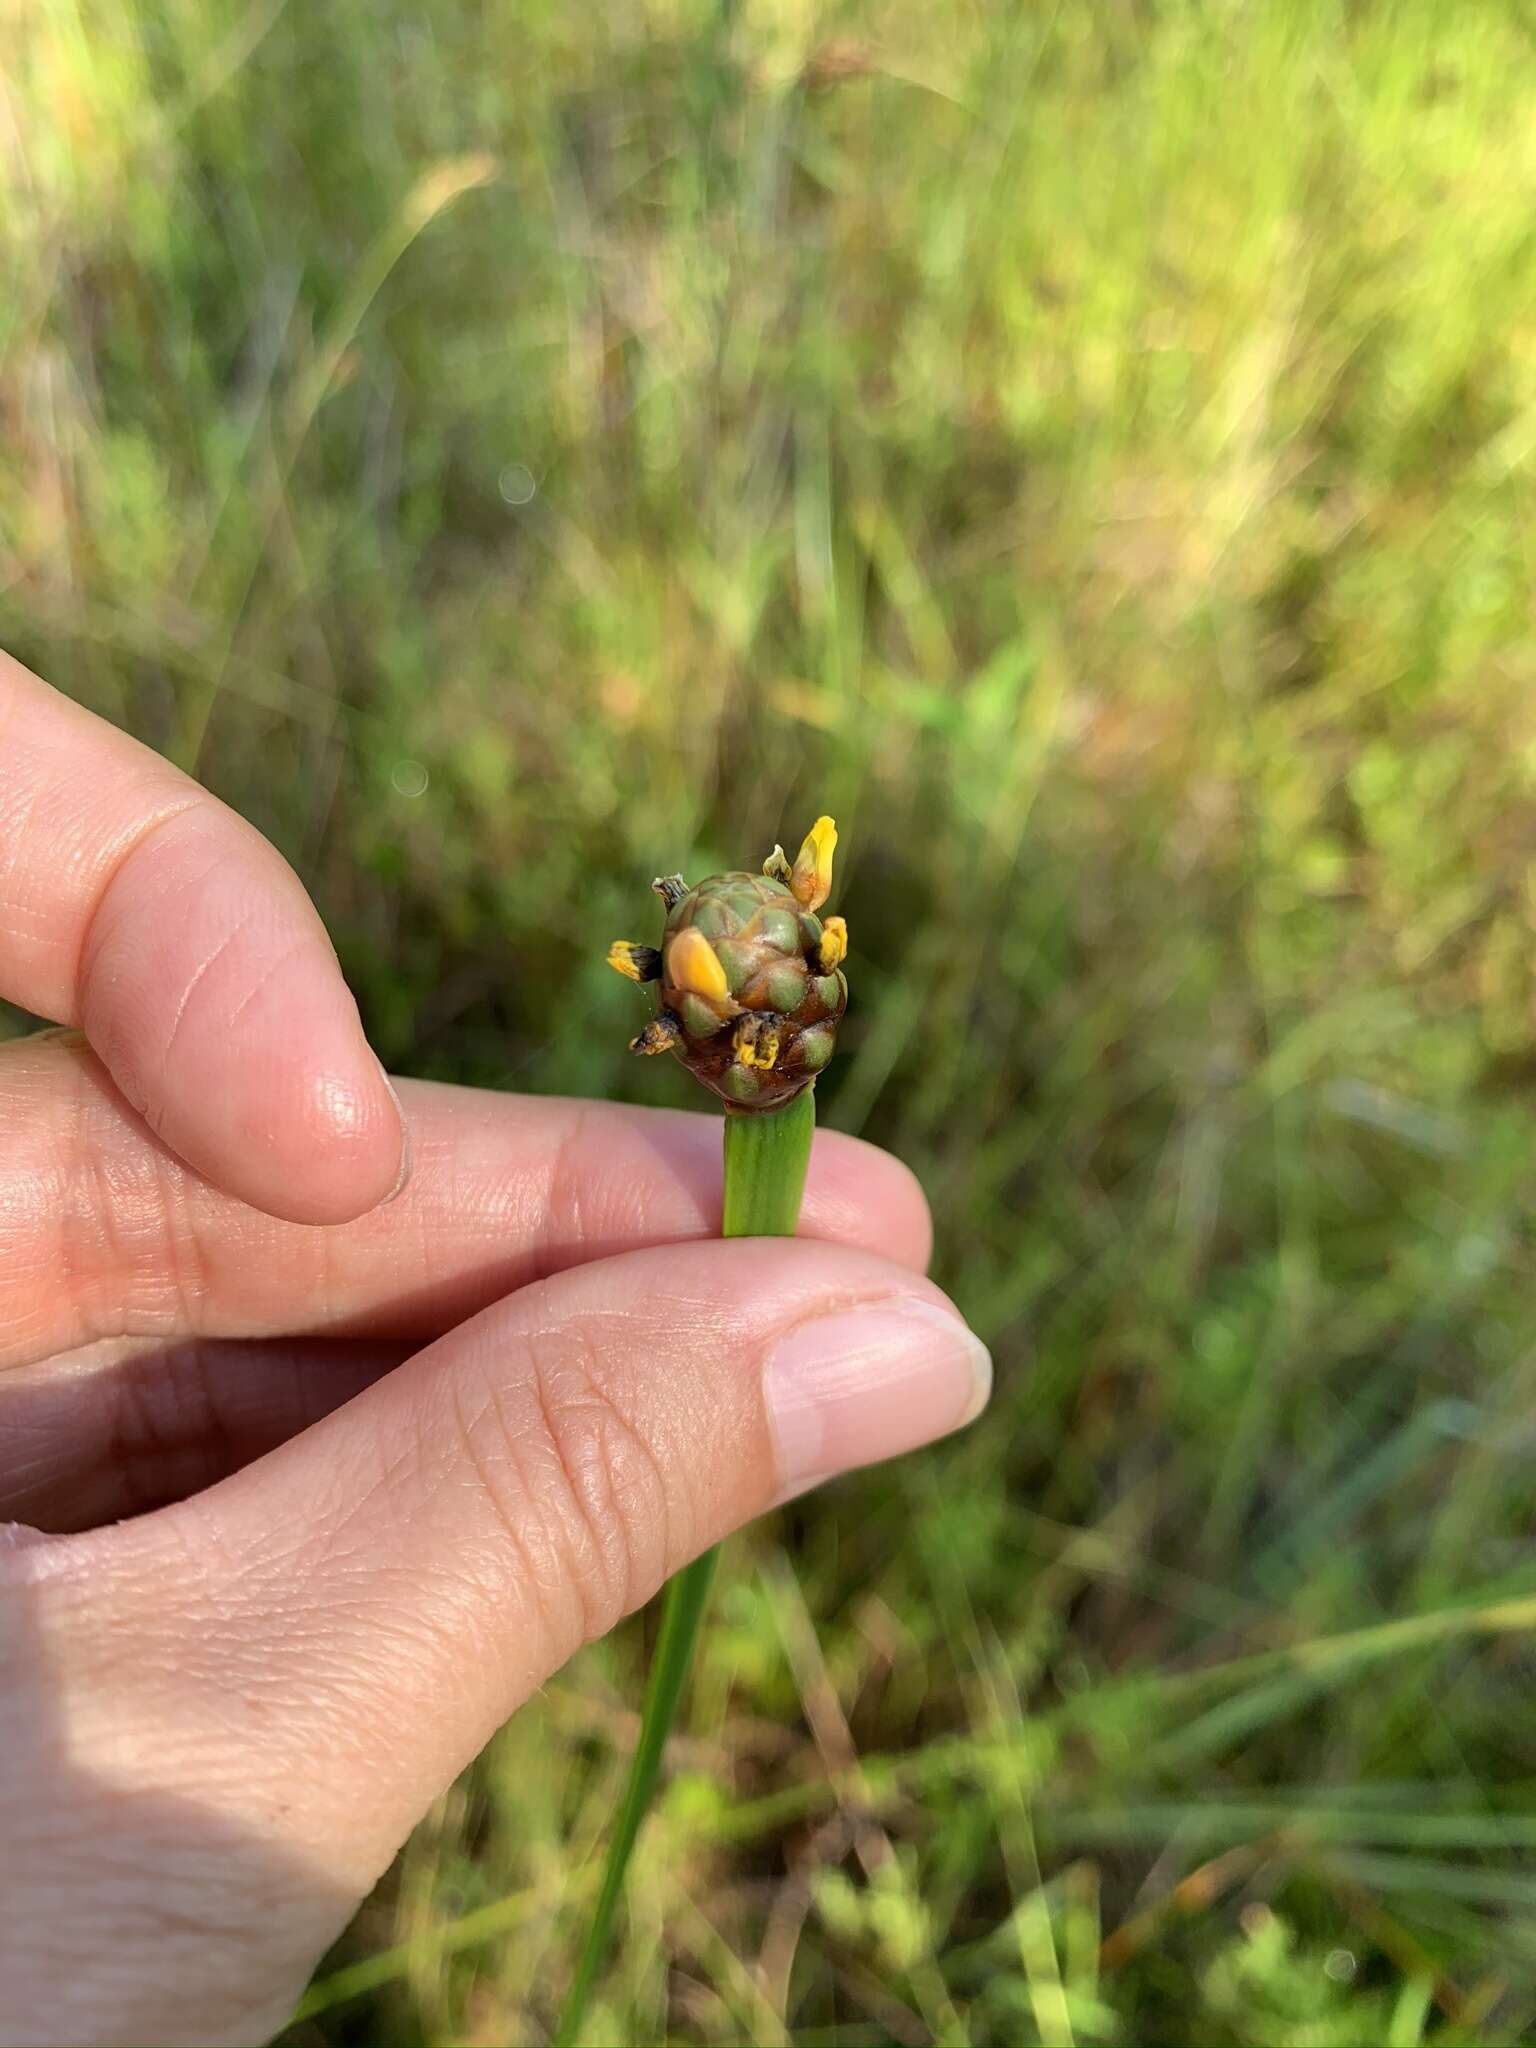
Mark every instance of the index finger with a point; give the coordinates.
(138, 907)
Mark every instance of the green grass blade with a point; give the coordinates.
(765, 1163)
(682, 1610)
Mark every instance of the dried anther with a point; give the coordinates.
(757, 1041)
(751, 992)
(662, 1034)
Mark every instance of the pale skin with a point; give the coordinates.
(335, 1415)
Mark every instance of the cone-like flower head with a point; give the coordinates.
(750, 987)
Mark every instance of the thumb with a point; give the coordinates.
(384, 1590)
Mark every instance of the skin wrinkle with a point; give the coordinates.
(361, 1664)
(520, 1537)
(595, 1446)
(469, 1588)
(360, 1659)
(181, 1252)
(537, 1481)
(218, 1569)
(441, 1163)
(465, 1614)
(669, 1546)
(146, 1627)
(626, 1515)
(44, 815)
(199, 975)
(130, 1227)
(296, 945)
(171, 893)
(562, 1194)
(354, 1502)
(146, 830)
(574, 1547)
(593, 1439)
(16, 832)
(76, 1160)
(109, 1213)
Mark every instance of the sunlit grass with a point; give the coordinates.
(510, 450)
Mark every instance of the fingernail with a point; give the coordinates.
(405, 1138)
(867, 1383)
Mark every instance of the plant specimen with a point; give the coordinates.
(751, 992)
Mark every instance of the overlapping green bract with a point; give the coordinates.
(767, 1036)
(751, 992)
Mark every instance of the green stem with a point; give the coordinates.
(766, 1155)
(765, 1161)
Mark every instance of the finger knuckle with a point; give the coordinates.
(137, 1260)
(576, 1483)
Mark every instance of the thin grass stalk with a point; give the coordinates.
(765, 1162)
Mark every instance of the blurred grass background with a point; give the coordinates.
(507, 449)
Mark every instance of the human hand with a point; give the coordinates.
(384, 1463)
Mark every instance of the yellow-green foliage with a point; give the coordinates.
(511, 450)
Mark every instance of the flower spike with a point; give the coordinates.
(750, 989)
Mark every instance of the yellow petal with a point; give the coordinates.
(834, 944)
(812, 877)
(694, 965)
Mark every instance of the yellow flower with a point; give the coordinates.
(811, 878)
(694, 965)
(635, 963)
(834, 944)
